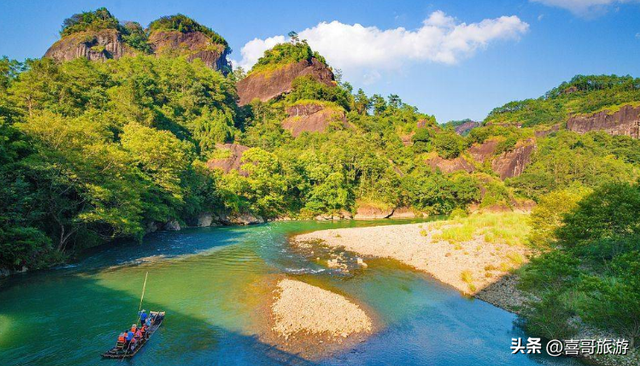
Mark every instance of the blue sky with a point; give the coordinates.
(453, 59)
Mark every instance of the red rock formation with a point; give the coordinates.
(451, 165)
(107, 44)
(480, 152)
(407, 139)
(269, 84)
(93, 45)
(512, 163)
(466, 127)
(548, 131)
(192, 45)
(231, 162)
(626, 122)
(312, 117)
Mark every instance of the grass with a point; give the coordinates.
(516, 258)
(509, 228)
(467, 277)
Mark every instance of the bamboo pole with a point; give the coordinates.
(144, 287)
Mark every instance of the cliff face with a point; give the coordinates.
(107, 44)
(464, 128)
(231, 162)
(312, 117)
(451, 165)
(625, 121)
(192, 45)
(95, 46)
(512, 163)
(481, 152)
(270, 84)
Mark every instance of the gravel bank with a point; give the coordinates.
(301, 307)
(471, 267)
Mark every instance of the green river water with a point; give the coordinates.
(209, 283)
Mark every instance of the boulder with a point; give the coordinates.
(448, 166)
(172, 225)
(312, 117)
(625, 121)
(367, 211)
(403, 213)
(512, 163)
(231, 162)
(242, 219)
(268, 84)
(204, 220)
(342, 215)
(192, 45)
(93, 45)
(152, 227)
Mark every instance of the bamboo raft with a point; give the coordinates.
(121, 351)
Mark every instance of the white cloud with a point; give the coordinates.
(366, 51)
(583, 7)
(255, 48)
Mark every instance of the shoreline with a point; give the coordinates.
(418, 246)
(475, 267)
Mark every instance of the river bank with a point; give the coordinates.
(475, 267)
(479, 256)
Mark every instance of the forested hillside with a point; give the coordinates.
(95, 151)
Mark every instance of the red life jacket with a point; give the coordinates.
(121, 337)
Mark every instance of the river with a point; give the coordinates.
(209, 283)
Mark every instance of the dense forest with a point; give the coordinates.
(91, 152)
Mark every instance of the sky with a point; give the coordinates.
(454, 59)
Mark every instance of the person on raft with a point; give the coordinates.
(143, 316)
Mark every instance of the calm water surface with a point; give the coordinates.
(209, 282)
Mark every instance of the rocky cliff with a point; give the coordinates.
(625, 121)
(192, 45)
(512, 163)
(230, 159)
(108, 44)
(268, 84)
(464, 128)
(484, 151)
(312, 117)
(451, 165)
(93, 45)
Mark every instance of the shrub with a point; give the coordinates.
(548, 318)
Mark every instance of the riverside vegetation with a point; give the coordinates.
(91, 152)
